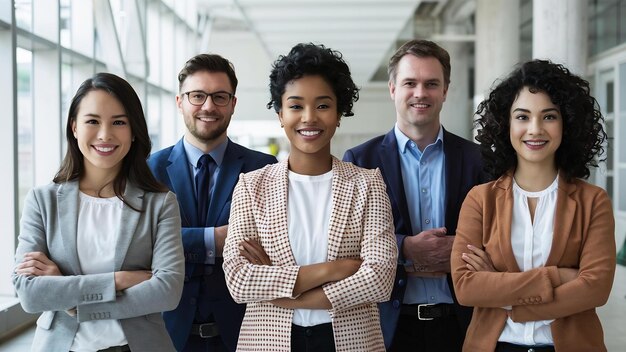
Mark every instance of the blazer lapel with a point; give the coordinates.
(453, 173)
(128, 223)
(504, 218)
(390, 167)
(277, 213)
(182, 185)
(342, 192)
(67, 200)
(563, 218)
(228, 176)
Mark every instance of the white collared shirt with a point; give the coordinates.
(531, 242)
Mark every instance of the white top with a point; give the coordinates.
(531, 241)
(98, 219)
(309, 202)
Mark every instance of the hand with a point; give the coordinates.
(37, 264)
(220, 233)
(312, 299)
(126, 279)
(71, 312)
(567, 274)
(254, 252)
(477, 260)
(429, 250)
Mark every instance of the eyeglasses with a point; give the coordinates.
(198, 97)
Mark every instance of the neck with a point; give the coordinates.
(535, 178)
(205, 146)
(98, 183)
(422, 136)
(310, 164)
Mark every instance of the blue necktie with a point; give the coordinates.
(203, 179)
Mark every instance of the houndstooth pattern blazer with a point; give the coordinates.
(361, 225)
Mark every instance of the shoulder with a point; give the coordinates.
(369, 145)
(250, 155)
(455, 141)
(160, 156)
(587, 192)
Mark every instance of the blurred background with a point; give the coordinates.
(48, 47)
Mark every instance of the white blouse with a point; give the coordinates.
(531, 242)
(98, 219)
(309, 202)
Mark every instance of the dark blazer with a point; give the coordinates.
(171, 167)
(463, 169)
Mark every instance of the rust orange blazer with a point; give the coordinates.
(361, 225)
(584, 230)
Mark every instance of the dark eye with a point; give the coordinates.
(220, 98)
(91, 122)
(550, 117)
(295, 107)
(521, 117)
(197, 97)
(323, 106)
(432, 84)
(409, 84)
(119, 123)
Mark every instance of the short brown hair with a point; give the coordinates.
(420, 48)
(210, 63)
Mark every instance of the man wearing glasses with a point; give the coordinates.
(202, 169)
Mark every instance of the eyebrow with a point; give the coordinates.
(114, 116)
(544, 110)
(295, 97)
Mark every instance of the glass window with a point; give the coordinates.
(24, 123)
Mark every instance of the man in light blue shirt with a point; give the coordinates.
(428, 172)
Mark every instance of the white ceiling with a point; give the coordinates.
(362, 30)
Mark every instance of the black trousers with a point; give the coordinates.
(317, 338)
(441, 334)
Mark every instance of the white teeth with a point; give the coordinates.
(536, 143)
(420, 106)
(104, 150)
(310, 133)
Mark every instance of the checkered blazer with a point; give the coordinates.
(361, 225)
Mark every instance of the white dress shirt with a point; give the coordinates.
(531, 241)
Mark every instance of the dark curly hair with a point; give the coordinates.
(583, 134)
(310, 59)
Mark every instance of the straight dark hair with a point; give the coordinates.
(209, 63)
(420, 48)
(134, 166)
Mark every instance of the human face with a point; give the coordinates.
(536, 129)
(103, 132)
(206, 124)
(309, 115)
(418, 92)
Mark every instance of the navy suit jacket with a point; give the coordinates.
(171, 167)
(463, 170)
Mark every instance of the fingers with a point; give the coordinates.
(31, 267)
(477, 260)
(254, 252)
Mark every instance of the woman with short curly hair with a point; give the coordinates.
(534, 251)
(310, 246)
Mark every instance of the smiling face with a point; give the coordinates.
(310, 117)
(418, 92)
(536, 129)
(103, 132)
(206, 124)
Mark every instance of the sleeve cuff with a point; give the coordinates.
(209, 245)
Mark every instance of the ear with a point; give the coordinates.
(280, 118)
(392, 90)
(179, 103)
(74, 128)
(234, 102)
(445, 92)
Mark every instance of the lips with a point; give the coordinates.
(309, 133)
(104, 149)
(207, 118)
(535, 144)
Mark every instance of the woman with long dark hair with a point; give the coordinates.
(99, 249)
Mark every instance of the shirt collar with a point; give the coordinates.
(403, 140)
(194, 154)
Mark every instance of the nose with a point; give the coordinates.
(309, 114)
(419, 91)
(536, 126)
(104, 132)
(208, 104)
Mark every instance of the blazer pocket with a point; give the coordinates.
(45, 320)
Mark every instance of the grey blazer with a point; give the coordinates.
(149, 240)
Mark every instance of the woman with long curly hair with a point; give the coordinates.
(310, 246)
(534, 251)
